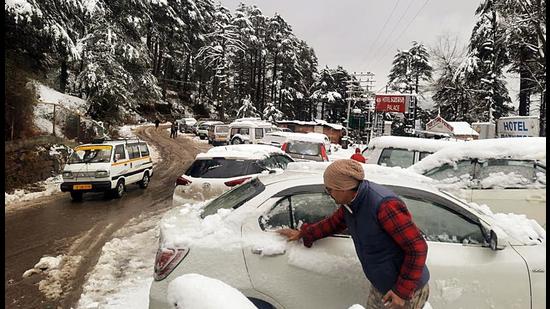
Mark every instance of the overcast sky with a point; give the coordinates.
(364, 35)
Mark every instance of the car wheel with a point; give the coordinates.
(118, 191)
(236, 141)
(77, 196)
(201, 137)
(144, 183)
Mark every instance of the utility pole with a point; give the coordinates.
(358, 89)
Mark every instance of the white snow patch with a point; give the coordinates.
(194, 291)
(51, 184)
(58, 270)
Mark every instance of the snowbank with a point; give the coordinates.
(51, 185)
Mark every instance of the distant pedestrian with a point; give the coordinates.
(157, 123)
(357, 156)
(173, 130)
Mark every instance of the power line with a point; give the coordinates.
(404, 29)
(381, 30)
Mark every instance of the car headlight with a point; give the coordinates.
(68, 175)
(101, 174)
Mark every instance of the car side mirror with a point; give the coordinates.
(493, 242)
(496, 236)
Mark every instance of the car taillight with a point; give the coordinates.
(283, 148)
(324, 153)
(235, 182)
(182, 181)
(166, 260)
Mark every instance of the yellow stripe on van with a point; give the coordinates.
(128, 161)
(94, 147)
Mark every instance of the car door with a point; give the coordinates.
(133, 174)
(121, 164)
(511, 186)
(327, 275)
(464, 272)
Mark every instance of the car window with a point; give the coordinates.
(423, 154)
(234, 198)
(396, 157)
(310, 149)
(133, 151)
(270, 163)
(221, 168)
(143, 149)
(506, 173)
(259, 132)
(294, 210)
(283, 161)
(462, 170)
(119, 149)
(441, 224)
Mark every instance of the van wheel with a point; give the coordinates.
(144, 183)
(77, 196)
(118, 191)
(236, 141)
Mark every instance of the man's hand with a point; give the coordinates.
(392, 301)
(291, 234)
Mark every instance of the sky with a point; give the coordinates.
(364, 35)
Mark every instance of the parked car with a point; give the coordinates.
(507, 174)
(107, 166)
(195, 127)
(325, 139)
(223, 167)
(401, 151)
(249, 131)
(305, 150)
(473, 258)
(204, 127)
(218, 134)
(185, 124)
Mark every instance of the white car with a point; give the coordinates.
(402, 151)
(476, 259)
(324, 138)
(223, 167)
(507, 174)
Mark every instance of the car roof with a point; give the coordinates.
(411, 143)
(243, 151)
(518, 148)
(114, 142)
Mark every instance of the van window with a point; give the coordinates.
(243, 131)
(259, 132)
(133, 151)
(119, 150)
(143, 149)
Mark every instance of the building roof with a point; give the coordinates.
(462, 128)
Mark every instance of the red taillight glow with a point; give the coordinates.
(182, 181)
(235, 182)
(166, 260)
(283, 148)
(324, 153)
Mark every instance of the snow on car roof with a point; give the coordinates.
(299, 136)
(248, 123)
(246, 151)
(411, 143)
(520, 148)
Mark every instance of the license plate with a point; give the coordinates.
(82, 187)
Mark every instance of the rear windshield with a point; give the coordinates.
(235, 197)
(309, 149)
(222, 168)
(222, 129)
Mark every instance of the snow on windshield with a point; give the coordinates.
(248, 151)
(524, 148)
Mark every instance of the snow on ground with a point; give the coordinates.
(123, 274)
(51, 184)
(194, 291)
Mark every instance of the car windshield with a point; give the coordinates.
(235, 197)
(303, 148)
(222, 168)
(91, 155)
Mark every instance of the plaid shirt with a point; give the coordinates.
(395, 219)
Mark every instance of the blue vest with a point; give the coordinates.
(380, 256)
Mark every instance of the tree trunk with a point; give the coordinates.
(524, 93)
(274, 78)
(542, 117)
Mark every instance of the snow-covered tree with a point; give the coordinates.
(271, 113)
(247, 109)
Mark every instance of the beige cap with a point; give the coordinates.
(345, 174)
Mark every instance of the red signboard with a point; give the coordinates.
(391, 103)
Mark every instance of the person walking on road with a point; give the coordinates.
(390, 247)
(173, 129)
(157, 123)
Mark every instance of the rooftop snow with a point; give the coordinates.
(314, 123)
(520, 148)
(411, 143)
(247, 151)
(462, 128)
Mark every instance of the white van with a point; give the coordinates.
(402, 151)
(249, 132)
(108, 167)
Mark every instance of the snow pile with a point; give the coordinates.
(244, 151)
(59, 272)
(51, 185)
(123, 274)
(194, 291)
(519, 148)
